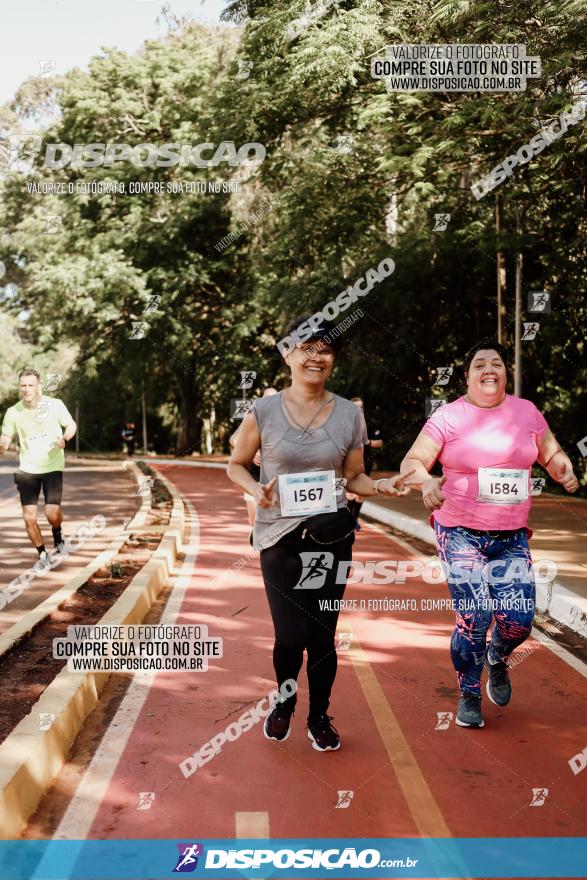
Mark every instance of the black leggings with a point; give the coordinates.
(355, 508)
(298, 620)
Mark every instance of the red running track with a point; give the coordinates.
(408, 777)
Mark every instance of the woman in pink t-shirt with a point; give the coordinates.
(487, 442)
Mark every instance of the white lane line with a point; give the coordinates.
(82, 810)
(251, 825)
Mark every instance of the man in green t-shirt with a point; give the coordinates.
(42, 425)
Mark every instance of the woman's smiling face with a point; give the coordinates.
(311, 361)
(487, 376)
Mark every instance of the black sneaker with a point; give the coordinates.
(469, 711)
(499, 686)
(324, 736)
(277, 724)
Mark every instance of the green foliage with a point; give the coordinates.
(338, 212)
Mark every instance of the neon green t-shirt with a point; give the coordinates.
(37, 430)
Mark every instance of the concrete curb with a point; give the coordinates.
(558, 602)
(30, 758)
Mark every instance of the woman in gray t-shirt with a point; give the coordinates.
(310, 441)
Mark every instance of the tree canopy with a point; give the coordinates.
(353, 174)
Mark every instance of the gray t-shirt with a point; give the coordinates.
(285, 450)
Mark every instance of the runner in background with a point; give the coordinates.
(254, 468)
(43, 426)
(310, 441)
(374, 441)
(487, 442)
(128, 435)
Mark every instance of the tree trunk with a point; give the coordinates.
(501, 277)
(190, 423)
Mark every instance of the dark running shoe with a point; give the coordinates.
(499, 686)
(324, 736)
(277, 724)
(469, 711)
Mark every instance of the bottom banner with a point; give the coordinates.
(420, 858)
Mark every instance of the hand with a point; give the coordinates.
(257, 458)
(265, 496)
(60, 442)
(564, 475)
(396, 486)
(432, 493)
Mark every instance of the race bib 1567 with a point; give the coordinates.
(311, 492)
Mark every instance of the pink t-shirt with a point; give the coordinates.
(471, 437)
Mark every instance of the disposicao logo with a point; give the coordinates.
(187, 861)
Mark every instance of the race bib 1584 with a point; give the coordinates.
(503, 485)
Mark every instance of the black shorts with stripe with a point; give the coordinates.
(29, 487)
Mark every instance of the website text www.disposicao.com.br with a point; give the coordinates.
(329, 859)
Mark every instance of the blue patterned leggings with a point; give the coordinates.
(489, 575)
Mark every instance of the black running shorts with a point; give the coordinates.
(29, 487)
